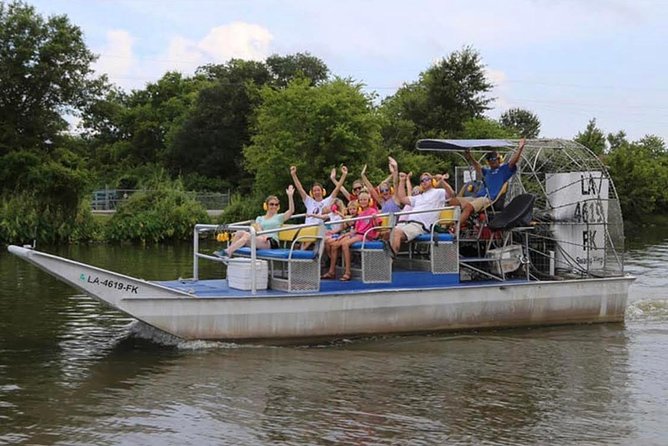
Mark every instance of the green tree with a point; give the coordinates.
(211, 138)
(286, 68)
(617, 140)
(640, 172)
(446, 96)
(592, 138)
(521, 122)
(210, 142)
(314, 128)
(44, 73)
(485, 128)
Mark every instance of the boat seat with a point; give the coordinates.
(375, 257)
(290, 268)
(368, 245)
(518, 213)
(507, 247)
(443, 247)
(280, 253)
(288, 234)
(438, 236)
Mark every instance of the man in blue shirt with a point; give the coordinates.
(495, 176)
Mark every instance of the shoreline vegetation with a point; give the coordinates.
(235, 126)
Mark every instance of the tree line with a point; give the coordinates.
(237, 125)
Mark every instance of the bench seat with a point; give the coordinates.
(368, 245)
(439, 236)
(292, 269)
(376, 261)
(281, 253)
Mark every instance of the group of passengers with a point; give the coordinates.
(392, 195)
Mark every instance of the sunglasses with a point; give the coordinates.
(384, 190)
(492, 158)
(357, 188)
(274, 204)
(425, 179)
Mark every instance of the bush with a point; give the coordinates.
(24, 218)
(154, 216)
(241, 209)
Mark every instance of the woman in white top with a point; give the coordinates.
(315, 200)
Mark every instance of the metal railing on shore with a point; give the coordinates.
(107, 200)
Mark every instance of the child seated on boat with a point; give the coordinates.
(336, 213)
(335, 227)
(271, 220)
(362, 228)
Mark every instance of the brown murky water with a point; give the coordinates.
(73, 372)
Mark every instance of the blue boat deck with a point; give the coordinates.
(400, 280)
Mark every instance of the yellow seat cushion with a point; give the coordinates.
(446, 215)
(289, 235)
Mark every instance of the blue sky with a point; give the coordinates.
(565, 60)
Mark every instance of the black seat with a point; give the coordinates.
(517, 213)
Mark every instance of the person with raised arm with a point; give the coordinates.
(384, 195)
(315, 200)
(435, 194)
(357, 187)
(270, 220)
(494, 176)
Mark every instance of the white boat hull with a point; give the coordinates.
(304, 317)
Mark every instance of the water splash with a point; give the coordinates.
(655, 309)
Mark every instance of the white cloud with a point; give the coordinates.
(117, 59)
(500, 90)
(237, 40)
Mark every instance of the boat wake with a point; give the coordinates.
(654, 309)
(141, 330)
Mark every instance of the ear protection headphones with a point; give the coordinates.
(265, 205)
(371, 204)
(434, 183)
(391, 190)
(324, 192)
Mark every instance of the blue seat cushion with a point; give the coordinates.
(278, 253)
(440, 236)
(368, 245)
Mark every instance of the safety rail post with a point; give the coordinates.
(253, 259)
(195, 252)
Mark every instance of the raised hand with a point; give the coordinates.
(363, 170)
(402, 176)
(344, 170)
(290, 190)
(332, 174)
(293, 170)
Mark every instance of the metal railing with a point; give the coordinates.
(109, 199)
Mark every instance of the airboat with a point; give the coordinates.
(553, 254)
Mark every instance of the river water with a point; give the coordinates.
(73, 372)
